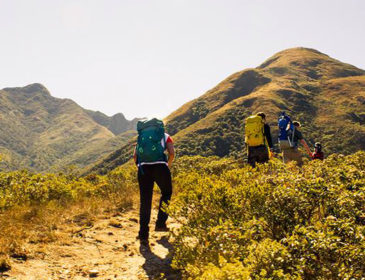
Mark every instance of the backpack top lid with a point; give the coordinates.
(254, 119)
(283, 121)
(141, 125)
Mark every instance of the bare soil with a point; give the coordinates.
(106, 250)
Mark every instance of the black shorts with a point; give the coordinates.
(259, 154)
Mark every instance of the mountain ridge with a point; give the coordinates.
(42, 132)
(323, 93)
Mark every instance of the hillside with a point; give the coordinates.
(324, 94)
(227, 221)
(41, 132)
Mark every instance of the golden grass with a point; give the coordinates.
(52, 222)
(319, 91)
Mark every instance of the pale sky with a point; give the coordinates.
(148, 57)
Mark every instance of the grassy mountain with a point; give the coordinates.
(116, 124)
(324, 94)
(41, 132)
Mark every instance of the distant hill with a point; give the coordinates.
(44, 133)
(116, 124)
(324, 94)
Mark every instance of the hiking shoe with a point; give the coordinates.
(162, 228)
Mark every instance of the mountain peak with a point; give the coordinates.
(310, 63)
(36, 87)
(119, 116)
(293, 55)
(302, 50)
(31, 89)
(324, 94)
(42, 132)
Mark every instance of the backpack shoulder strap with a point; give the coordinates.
(291, 142)
(164, 141)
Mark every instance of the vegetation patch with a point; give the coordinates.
(273, 222)
(324, 94)
(37, 208)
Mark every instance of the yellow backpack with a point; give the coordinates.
(254, 131)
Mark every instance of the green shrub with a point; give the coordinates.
(273, 222)
(26, 188)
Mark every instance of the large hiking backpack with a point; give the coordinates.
(149, 147)
(286, 131)
(285, 126)
(254, 131)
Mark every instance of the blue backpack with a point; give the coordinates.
(286, 126)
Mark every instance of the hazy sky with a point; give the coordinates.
(147, 58)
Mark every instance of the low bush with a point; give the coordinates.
(273, 222)
(33, 206)
(26, 188)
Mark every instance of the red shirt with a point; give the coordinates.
(168, 139)
(318, 155)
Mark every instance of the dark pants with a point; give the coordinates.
(147, 175)
(259, 154)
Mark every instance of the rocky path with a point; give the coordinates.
(107, 250)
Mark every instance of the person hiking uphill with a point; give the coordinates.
(291, 152)
(257, 139)
(318, 154)
(153, 166)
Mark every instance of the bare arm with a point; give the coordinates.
(171, 153)
(305, 145)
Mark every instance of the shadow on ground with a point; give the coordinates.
(155, 265)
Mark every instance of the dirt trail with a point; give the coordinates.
(109, 249)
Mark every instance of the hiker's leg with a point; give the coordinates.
(163, 180)
(285, 149)
(145, 181)
(286, 155)
(263, 154)
(251, 159)
(297, 156)
(293, 154)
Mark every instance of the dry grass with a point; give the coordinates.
(314, 88)
(52, 222)
(324, 94)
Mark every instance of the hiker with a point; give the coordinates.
(290, 151)
(153, 166)
(318, 154)
(257, 139)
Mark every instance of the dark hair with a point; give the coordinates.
(262, 115)
(318, 146)
(296, 123)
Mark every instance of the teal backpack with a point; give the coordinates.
(150, 134)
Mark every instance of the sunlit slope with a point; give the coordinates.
(324, 94)
(41, 132)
